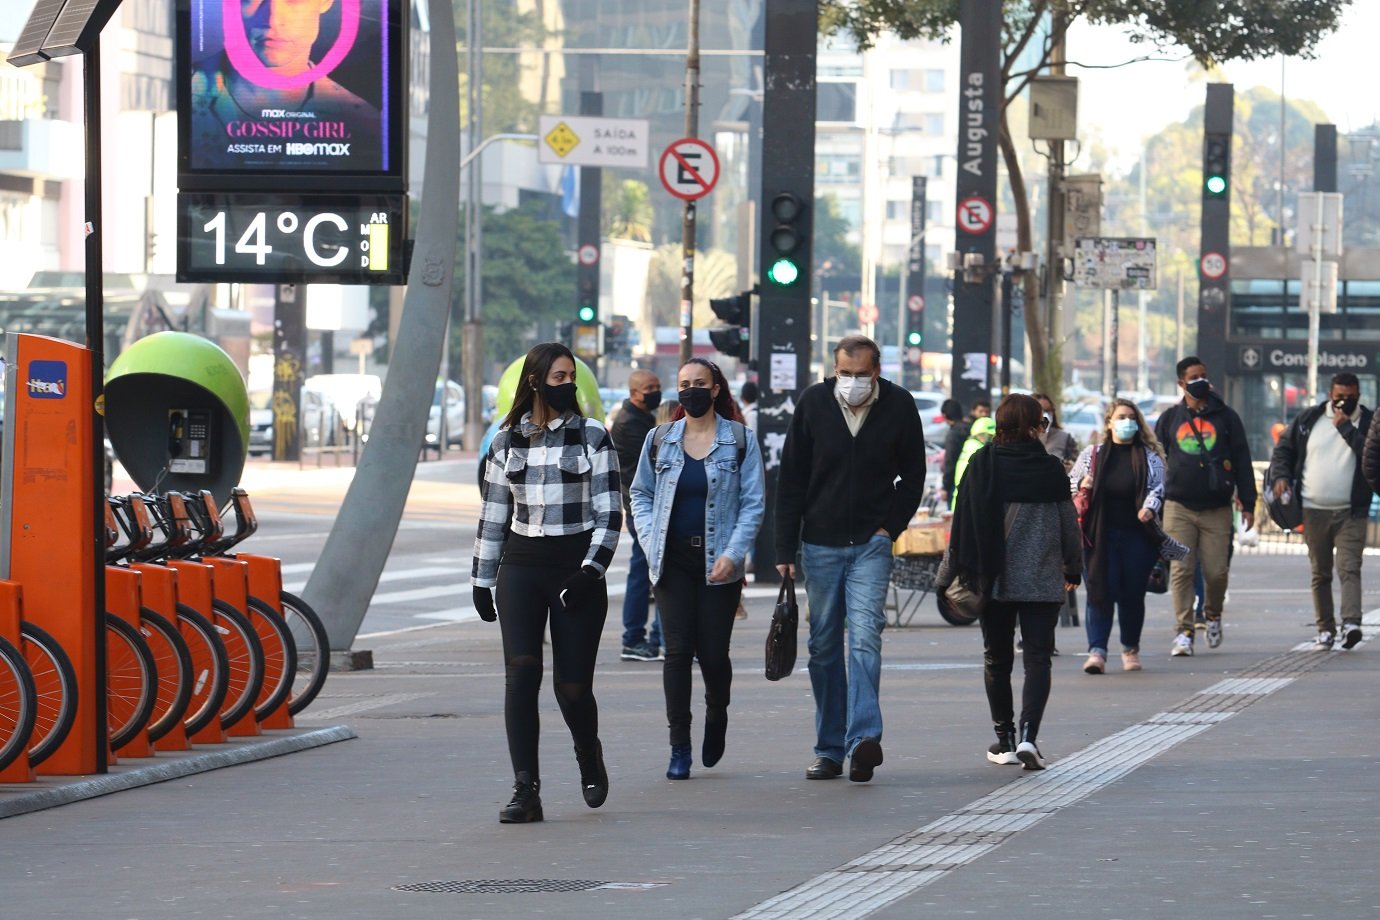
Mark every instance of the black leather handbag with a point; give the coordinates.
(781, 637)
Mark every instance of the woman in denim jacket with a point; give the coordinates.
(697, 501)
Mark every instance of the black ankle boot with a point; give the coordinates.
(526, 804)
(1004, 751)
(715, 734)
(594, 779)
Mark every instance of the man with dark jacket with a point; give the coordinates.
(629, 431)
(1208, 460)
(1317, 462)
(852, 474)
(959, 430)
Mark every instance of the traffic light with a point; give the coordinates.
(585, 313)
(914, 338)
(784, 267)
(1216, 165)
(734, 337)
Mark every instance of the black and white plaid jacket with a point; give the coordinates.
(553, 481)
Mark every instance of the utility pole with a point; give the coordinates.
(1054, 241)
(474, 213)
(687, 226)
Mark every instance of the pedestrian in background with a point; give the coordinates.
(983, 431)
(1317, 462)
(551, 488)
(1208, 462)
(852, 474)
(1058, 442)
(1123, 477)
(953, 446)
(628, 432)
(1015, 539)
(698, 497)
(952, 411)
(748, 400)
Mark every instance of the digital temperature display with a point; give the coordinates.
(294, 239)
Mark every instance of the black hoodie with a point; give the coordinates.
(1190, 477)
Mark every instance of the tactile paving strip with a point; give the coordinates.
(912, 861)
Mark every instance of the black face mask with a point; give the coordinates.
(696, 401)
(1347, 406)
(651, 399)
(1199, 388)
(560, 397)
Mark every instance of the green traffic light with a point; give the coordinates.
(1216, 185)
(783, 271)
(586, 314)
(913, 338)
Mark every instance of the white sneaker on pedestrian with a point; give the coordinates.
(1351, 635)
(1182, 647)
(1214, 632)
(1030, 755)
(1323, 643)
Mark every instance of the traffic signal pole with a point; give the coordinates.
(1214, 262)
(587, 317)
(781, 337)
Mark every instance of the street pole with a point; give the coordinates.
(474, 234)
(1005, 332)
(687, 226)
(1054, 265)
(1315, 297)
(1113, 369)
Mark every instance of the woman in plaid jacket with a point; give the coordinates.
(548, 527)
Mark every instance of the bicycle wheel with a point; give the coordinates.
(131, 681)
(55, 686)
(210, 671)
(313, 651)
(173, 659)
(280, 656)
(18, 703)
(244, 655)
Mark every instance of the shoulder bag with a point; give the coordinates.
(964, 599)
(781, 636)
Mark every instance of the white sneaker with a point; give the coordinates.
(1323, 643)
(1214, 632)
(1183, 646)
(1030, 755)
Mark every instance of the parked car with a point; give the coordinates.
(1083, 421)
(927, 403)
(316, 411)
(448, 403)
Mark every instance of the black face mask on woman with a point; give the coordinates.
(560, 397)
(696, 401)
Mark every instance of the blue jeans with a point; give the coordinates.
(1129, 557)
(637, 596)
(846, 585)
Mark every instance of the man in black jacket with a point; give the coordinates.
(1317, 462)
(629, 431)
(1208, 460)
(852, 474)
(959, 430)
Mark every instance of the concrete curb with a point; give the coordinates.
(175, 767)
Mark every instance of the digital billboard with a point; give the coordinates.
(292, 86)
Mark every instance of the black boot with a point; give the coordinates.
(1004, 751)
(715, 733)
(594, 779)
(1028, 753)
(681, 760)
(526, 804)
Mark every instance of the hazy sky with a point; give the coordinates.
(1126, 104)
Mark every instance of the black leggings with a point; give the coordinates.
(524, 596)
(696, 622)
(1037, 621)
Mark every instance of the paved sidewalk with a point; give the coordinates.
(1241, 782)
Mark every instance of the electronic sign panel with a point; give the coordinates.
(299, 87)
(254, 237)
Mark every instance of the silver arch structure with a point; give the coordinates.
(346, 575)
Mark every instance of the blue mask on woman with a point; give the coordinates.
(1125, 428)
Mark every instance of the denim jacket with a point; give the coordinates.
(732, 512)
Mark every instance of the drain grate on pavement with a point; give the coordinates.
(504, 886)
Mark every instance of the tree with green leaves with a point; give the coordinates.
(1033, 36)
(528, 278)
(834, 255)
(628, 212)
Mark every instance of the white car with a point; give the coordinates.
(315, 412)
(447, 400)
(927, 403)
(1083, 421)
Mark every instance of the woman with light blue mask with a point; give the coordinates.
(1123, 481)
